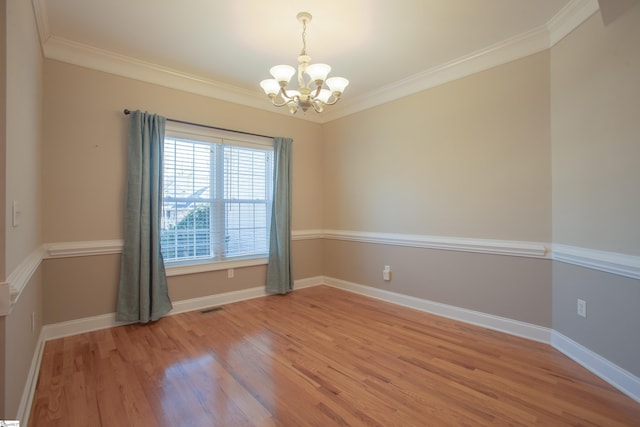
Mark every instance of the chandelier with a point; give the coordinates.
(310, 92)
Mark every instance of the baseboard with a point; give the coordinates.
(489, 321)
(94, 323)
(216, 300)
(24, 408)
(618, 377)
(308, 282)
(510, 326)
(234, 296)
(80, 326)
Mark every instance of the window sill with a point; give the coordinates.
(179, 269)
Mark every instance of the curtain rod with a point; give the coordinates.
(127, 112)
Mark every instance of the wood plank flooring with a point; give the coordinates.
(316, 357)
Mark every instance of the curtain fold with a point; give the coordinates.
(279, 278)
(143, 294)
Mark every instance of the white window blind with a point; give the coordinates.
(216, 197)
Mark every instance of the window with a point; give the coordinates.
(216, 195)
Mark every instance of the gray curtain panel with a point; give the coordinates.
(279, 278)
(143, 294)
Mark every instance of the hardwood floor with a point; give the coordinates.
(316, 357)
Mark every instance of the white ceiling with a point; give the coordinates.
(223, 48)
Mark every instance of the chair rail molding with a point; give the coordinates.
(18, 279)
(462, 244)
(609, 262)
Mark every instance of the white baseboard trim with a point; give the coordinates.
(618, 377)
(24, 408)
(489, 321)
(308, 282)
(94, 323)
(80, 326)
(217, 300)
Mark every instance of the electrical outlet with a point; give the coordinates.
(386, 273)
(230, 273)
(582, 308)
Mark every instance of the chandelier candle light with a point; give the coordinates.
(306, 96)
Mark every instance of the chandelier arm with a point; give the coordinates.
(274, 100)
(275, 103)
(318, 89)
(335, 99)
(285, 96)
(315, 108)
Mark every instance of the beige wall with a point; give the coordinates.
(22, 182)
(470, 158)
(595, 131)
(24, 131)
(84, 176)
(86, 137)
(81, 287)
(3, 182)
(596, 171)
(512, 287)
(22, 342)
(611, 326)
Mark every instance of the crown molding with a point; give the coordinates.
(72, 52)
(42, 22)
(519, 46)
(569, 18)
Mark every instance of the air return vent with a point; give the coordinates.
(211, 310)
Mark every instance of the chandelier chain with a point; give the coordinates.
(304, 38)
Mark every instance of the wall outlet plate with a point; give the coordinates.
(582, 308)
(386, 273)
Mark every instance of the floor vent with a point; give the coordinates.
(211, 310)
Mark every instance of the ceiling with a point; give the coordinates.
(222, 48)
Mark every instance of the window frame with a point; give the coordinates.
(203, 134)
